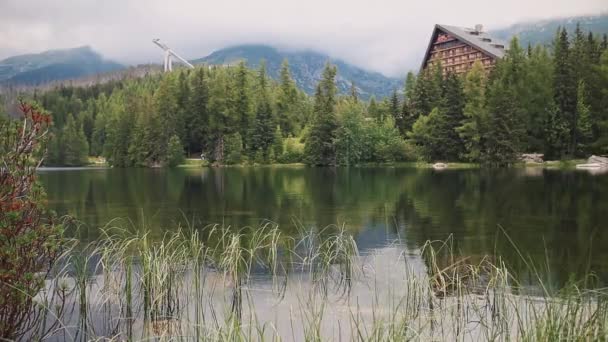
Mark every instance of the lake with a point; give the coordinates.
(555, 218)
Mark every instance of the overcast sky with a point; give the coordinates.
(382, 35)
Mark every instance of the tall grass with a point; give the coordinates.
(220, 283)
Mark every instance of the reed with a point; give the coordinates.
(220, 283)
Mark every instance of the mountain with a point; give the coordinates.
(54, 65)
(543, 31)
(306, 68)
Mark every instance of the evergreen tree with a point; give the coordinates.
(197, 118)
(426, 94)
(262, 136)
(452, 107)
(234, 148)
(565, 91)
(584, 124)
(600, 122)
(222, 118)
(537, 98)
(165, 122)
(396, 112)
(175, 152)
(242, 104)
(475, 115)
(74, 143)
(320, 149)
(502, 138)
(277, 145)
(408, 111)
(182, 101)
(286, 102)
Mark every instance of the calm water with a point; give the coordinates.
(557, 218)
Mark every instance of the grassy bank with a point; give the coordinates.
(256, 284)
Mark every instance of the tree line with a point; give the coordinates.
(550, 100)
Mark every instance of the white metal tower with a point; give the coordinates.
(169, 54)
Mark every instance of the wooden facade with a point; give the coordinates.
(458, 48)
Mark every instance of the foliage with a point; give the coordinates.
(175, 152)
(30, 241)
(234, 148)
(539, 100)
(320, 148)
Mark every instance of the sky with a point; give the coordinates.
(388, 36)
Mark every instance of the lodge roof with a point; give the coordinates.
(472, 36)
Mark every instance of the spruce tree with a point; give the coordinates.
(501, 139)
(452, 107)
(407, 110)
(167, 112)
(286, 101)
(584, 124)
(537, 98)
(565, 91)
(320, 149)
(242, 104)
(396, 112)
(74, 143)
(197, 118)
(262, 135)
(475, 114)
(175, 152)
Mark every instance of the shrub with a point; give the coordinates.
(294, 151)
(30, 241)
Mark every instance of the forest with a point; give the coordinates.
(550, 100)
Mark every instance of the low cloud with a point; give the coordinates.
(388, 36)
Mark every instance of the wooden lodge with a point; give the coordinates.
(457, 48)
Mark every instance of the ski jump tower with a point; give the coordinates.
(169, 54)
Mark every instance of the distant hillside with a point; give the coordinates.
(306, 68)
(543, 31)
(54, 65)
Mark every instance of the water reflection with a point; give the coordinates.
(557, 218)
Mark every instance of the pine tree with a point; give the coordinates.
(600, 122)
(222, 118)
(286, 102)
(74, 143)
(197, 118)
(565, 90)
(452, 107)
(182, 97)
(320, 149)
(242, 105)
(475, 114)
(234, 148)
(501, 139)
(262, 135)
(167, 113)
(504, 137)
(426, 94)
(408, 111)
(175, 152)
(277, 145)
(584, 124)
(537, 98)
(396, 112)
